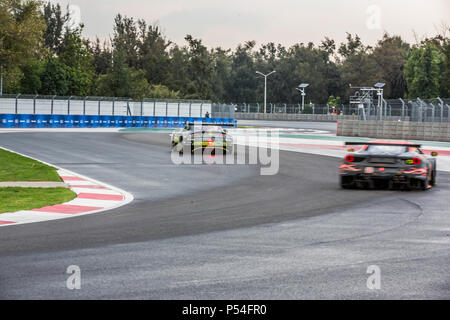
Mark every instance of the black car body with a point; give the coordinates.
(388, 164)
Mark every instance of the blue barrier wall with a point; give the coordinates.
(78, 121)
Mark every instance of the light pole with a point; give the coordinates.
(265, 87)
(302, 88)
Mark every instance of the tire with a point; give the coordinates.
(433, 176)
(424, 184)
(346, 184)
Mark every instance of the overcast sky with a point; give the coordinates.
(227, 23)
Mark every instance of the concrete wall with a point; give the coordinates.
(430, 131)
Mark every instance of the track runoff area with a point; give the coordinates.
(274, 226)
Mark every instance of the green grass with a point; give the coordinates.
(14, 167)
(17, 199)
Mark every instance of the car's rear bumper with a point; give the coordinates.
(397, 177)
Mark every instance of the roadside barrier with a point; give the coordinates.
(83, 121)
(403, 130)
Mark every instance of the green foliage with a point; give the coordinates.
(31, 81)
(121, 80)
(334, 101)
(21, 31)
(423, 72)
(55, 77)
(390, 55)
(160, 91)
(41, 53)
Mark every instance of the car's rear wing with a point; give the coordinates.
(383, 144)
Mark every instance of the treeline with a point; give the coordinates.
(41, 53)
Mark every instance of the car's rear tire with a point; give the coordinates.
(433, 176)
(347, 182)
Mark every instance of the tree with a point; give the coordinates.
(358, 66)
(54, 77)
(423, 72)
(21, 31)
(153, 57)
(390, 55)
(160, 91)
(242, 86)
(121, 80)
(199, 70)
(31, 82)
(221, 73)
(75, 54)
(56, 22)
(177, 70)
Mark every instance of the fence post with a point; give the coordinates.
(114, 106)
(403, 108)
(142, 107)
(128, 107)
(154, 108)
(34, 103)
(433, 112)
(201, 110)
(53, 99)
(448, 112)
(178, 109)
(84, 105)
(190, 109)
(420, 110)
(441, 105)
(167, 109)
(99, 105)
(68, 105)
(17, 103)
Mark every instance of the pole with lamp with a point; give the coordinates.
(265, 87)
(301, 88)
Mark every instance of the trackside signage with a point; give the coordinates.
(80, 121)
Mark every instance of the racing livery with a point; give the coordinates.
(391, 164)
(200, 137)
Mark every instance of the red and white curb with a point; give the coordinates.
(92, 197)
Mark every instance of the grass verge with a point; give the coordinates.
(14, 167)
(17, 199)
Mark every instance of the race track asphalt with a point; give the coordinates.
(224, 232)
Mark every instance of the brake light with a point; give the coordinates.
(210, 142)
(416, 161)
(350, 158)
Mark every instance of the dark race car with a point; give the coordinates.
(388, 164)
(200, 137)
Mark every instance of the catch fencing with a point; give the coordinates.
(111, 106)
(417, 110)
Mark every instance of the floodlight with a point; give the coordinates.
(380, 85)
(304, 85)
